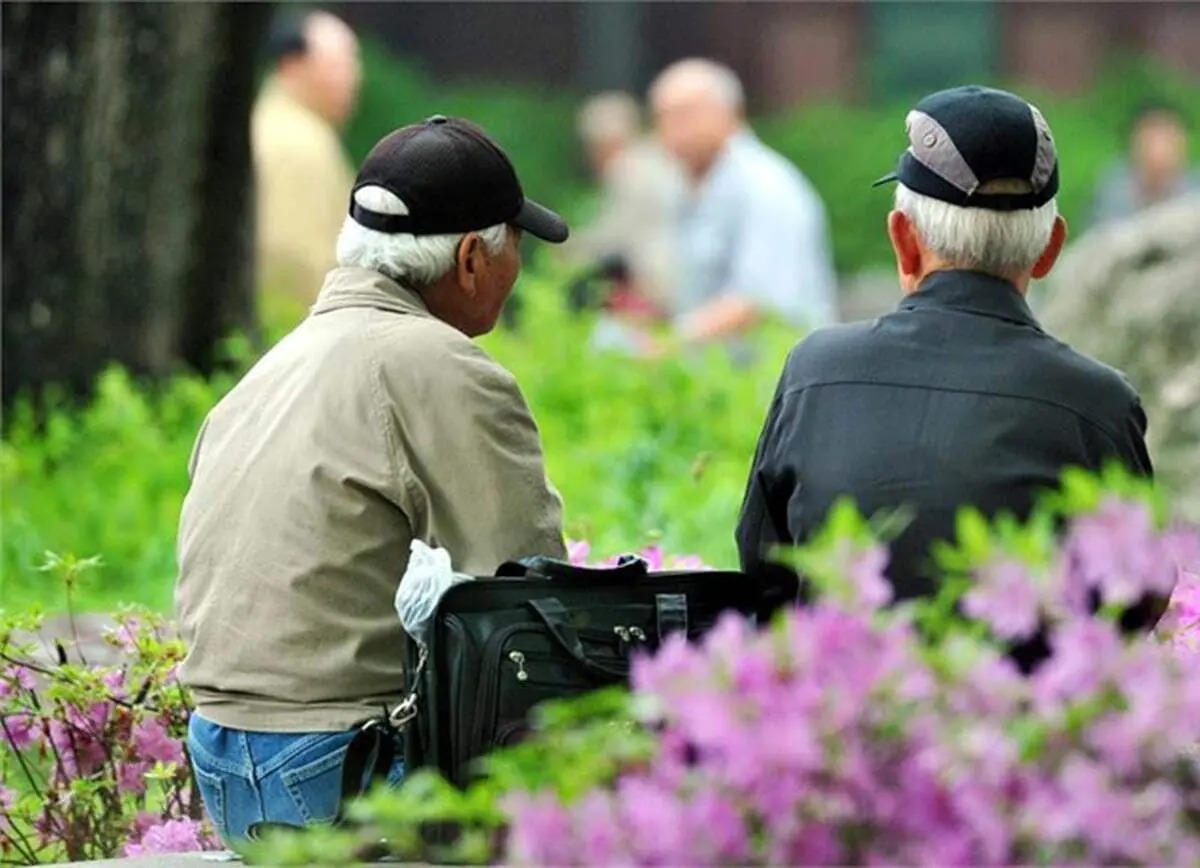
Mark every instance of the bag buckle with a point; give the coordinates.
(406, 712)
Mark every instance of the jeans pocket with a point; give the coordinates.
(212, 793)
(316, 786)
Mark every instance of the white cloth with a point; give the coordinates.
(429, 575)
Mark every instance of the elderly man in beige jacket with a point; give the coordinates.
(302, 174)
(376, 422)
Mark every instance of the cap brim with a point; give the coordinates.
(541, 222)
(886, 179)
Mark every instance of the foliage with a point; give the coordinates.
(841, 734)
(847, 734)
(841, 147)
(92, 759)
(641, 451)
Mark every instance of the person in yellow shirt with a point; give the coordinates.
(302, 173)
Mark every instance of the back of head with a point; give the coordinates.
(1000, 243)
(698, 105)
(1158, 142)
(316, 57)
(610, 116)
(437, 207)
(977, 186)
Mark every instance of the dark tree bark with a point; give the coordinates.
(127, 197)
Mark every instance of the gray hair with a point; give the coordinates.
(1001, 243)
(414, 260)
(715, 78)
(608, 116)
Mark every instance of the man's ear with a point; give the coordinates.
(469, 252)
(903, 235)
(1058, 237)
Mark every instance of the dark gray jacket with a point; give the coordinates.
(957, 397)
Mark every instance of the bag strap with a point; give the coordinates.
(556, 619)
(628, 568)
(671, 612)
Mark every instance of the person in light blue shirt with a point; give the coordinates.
(1156, 169)
(753, 237)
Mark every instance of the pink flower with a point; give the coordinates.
(866, 571)
(541, 832)
(577, 552)
(20, 730)
(131, 777)
(127, 633)
(172, 836)
(152, 742)
(1005, 596)
(653, 556)
(15, 680)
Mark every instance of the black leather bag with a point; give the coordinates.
(543, 629)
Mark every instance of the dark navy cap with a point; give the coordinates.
(962, 138)
(453, 178)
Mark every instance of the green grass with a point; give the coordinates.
(639, 451)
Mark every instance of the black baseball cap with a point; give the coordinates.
(453, 178)
(961, 138)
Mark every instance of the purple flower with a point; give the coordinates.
(131, 777)
(172, 836)
(577, 552)
(540, 832)
(152, 742)
(16, 680)
(866, 572)
(1006, 598)
(21, 730)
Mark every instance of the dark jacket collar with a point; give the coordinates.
(972, 292)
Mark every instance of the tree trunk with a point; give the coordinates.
(127, 219)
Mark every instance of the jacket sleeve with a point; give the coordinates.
(469, 458)
(1133, 450)
(759, 527)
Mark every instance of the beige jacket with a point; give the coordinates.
(370, 425)
(302, 185)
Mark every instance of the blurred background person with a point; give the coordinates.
(753, 237)
(303, 175)
(1156, 169)
(629, 243)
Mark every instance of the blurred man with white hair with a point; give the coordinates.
(632, 237)
(302, 173)
(959, 397)
(376, 422)
(753, 235)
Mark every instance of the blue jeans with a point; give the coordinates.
(256, 777)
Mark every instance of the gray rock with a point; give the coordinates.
(1129, 295)
(867, 294)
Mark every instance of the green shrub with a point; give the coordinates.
(639, 451)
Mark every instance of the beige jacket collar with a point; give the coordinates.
(360, 287)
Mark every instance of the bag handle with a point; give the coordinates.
(628, 568)
(557, 621)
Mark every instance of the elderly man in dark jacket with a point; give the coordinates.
(959, 396)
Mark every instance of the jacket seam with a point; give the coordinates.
(1095, 423)
(386, 425)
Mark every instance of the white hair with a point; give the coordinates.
(1001, 243)
(714, 78)
(415, 260)
(607, 116)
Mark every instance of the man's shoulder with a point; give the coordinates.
(1094, 380)
(427, 347)
(828, 353)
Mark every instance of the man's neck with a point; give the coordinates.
(294, 91)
